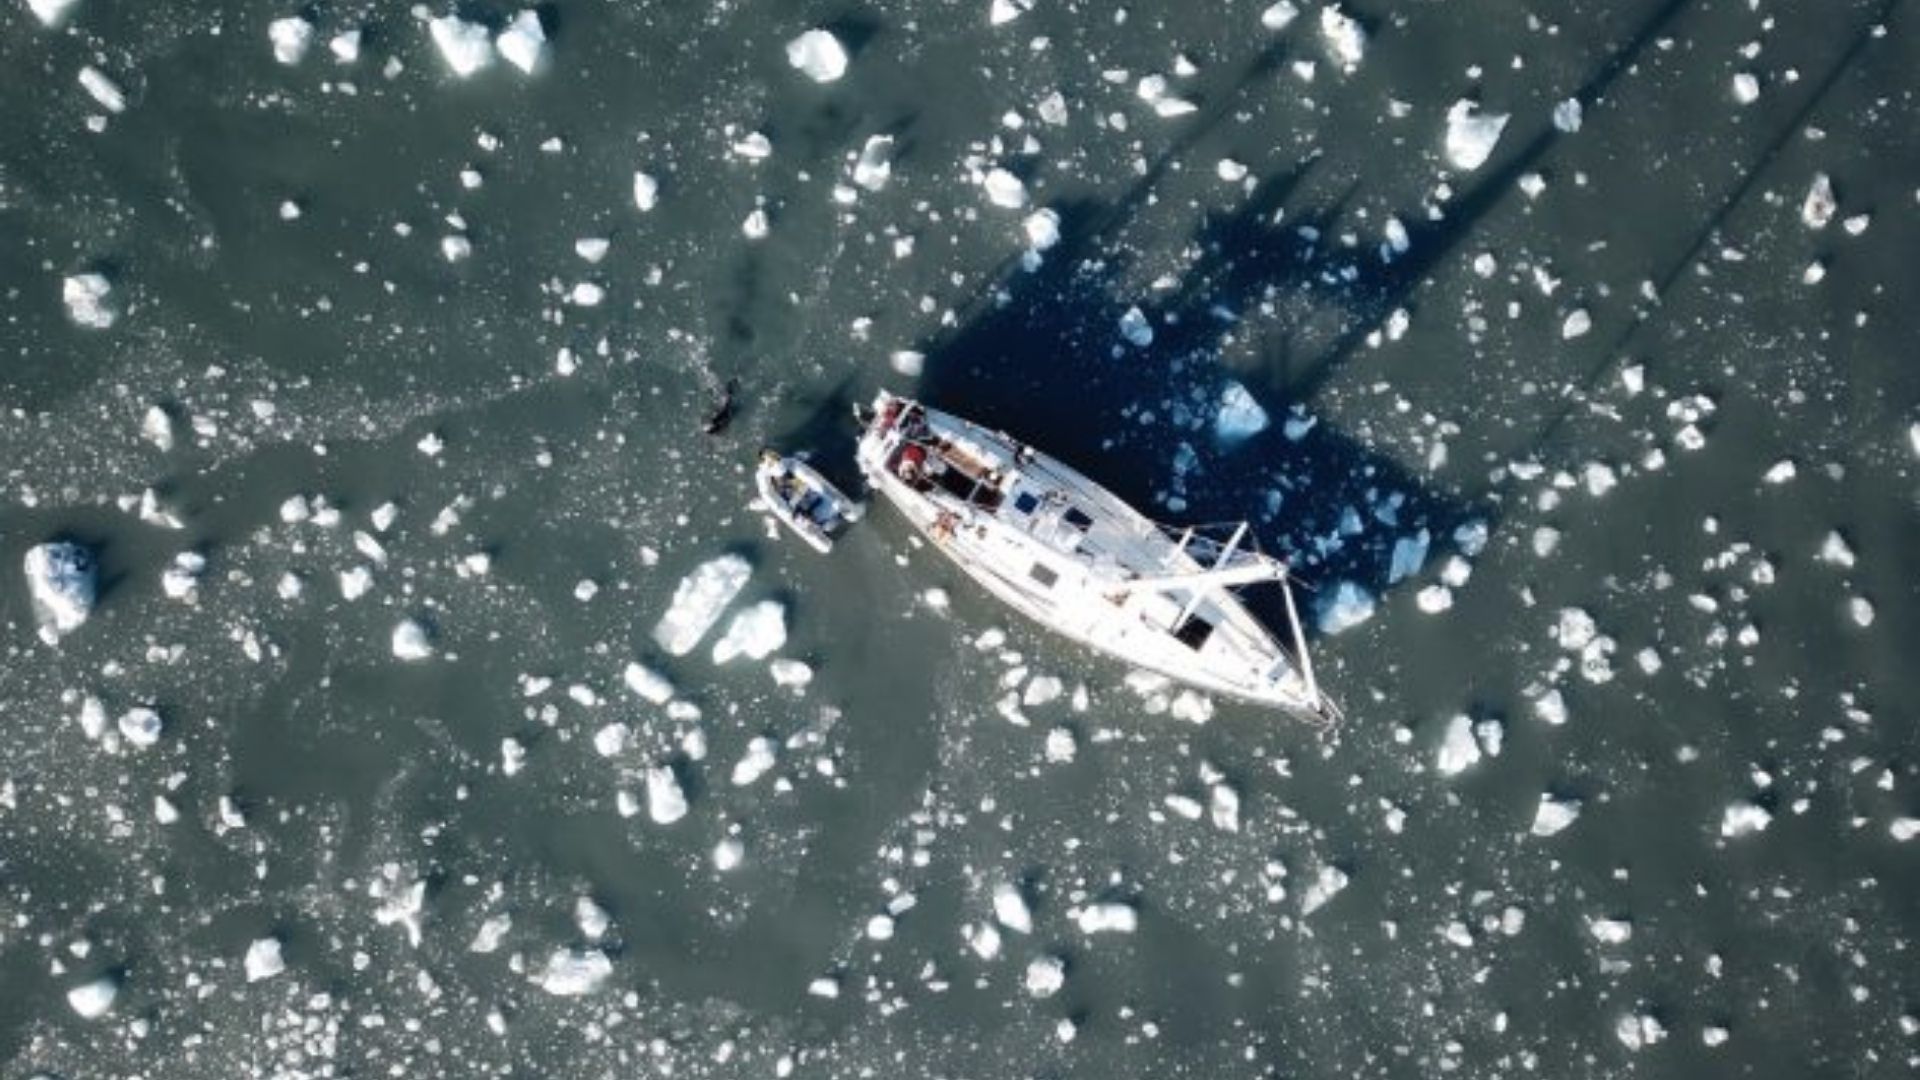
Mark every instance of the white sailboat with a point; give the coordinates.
(1073, 556)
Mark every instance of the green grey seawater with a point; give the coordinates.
(1694, 460)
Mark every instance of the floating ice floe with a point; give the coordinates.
(591, 918)
(1472, 134)
(1610, 931)
(86, 296)
(102, 89)
(1638, 1030)
(291, 38)
(1239, 417)
(1045, 976)
(465, 46)
(401, 905)
(1577, 323)
(1004, 188)
(1343, 36)
(491, 933)
(1459, 750)
(411, 641)
(1744, 818)
(181, 579)
(1279, 16)
(63, 582)
(698, 602)
(140, 726)
(755, 633)
(1553, 815)
(573, 972)
(345, 46)
(1820, 204)
(1344, 607)
(1002, 12)
(92, 1000)
(1108, 917)
(1409, 555)
(1010, 907)
(756, 225)
(757, 762)
(666, 800)
(818, 55)
(1566, 115)
(646, 191)
(524, 42)
(1325, 886)
(264, 960)
(50, 12)
(1903, 829)
(874, 166)
(1042, 228)
(1746, 88)
(1135, 328)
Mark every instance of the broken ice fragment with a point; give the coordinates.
(86, 299)
(1471, 134)
(411, 641)
(874, 166)
(699, 601)
(264, 960)
(1820, 204)
(666, 801)
(291, 38)
(1554, 815)
(523, 42)
(1344, 607)
(573, 972)
(818, 55)
(1344, 38)
(465, 46)
(63, 582)
(1005, 189)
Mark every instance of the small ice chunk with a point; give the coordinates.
(524, 42)
(573, 972)
(86, 296)
(1820, 203)
(587, 294)
(755, 633)
(1108, 917)
(102, 89)
(1471, 134)
(181, 578)
(826, 986)
(1611, 931)
(1001, 12)
(1004, 189)
(1409, 555)
(1904, 829)
(1835, 551)
(63, 582)
(492, 932)
(1554, 815)
(1459, 750)
(757, 762)
(291, 37)
(646, 191)
(1327, 885)
(1344, 607)
(1223, 808)
(1045, 976)
(355, 581)
(727, 854)
(874, 167)
(50, 12)
(1551, 707)
(698, 602)
(140, 726)
(411, 641)
(1010, 907)
(1713, 1035)
(880, 927)
(1042, 228)
(1240, 417)
(1860, 610)
(1577, 323)
(666, 802)
(264, 960)
(1746, 88)
(92, 1000)
(1434, 599)
(465, 46)
(1135, 328)
(1279, 16)
(591, 248)
(818, 55)
(983, 939)
(1743, 818)
(345, 46)
(1230, 170)
(611, 739)
(513, 756)
(591, 918)
(1780, 472)
(1638, 1030)
(1566, 115)
(792, 674)
(1061, 746)
(1344, 38)
(157, 428)
(756, 226)
(647, 683)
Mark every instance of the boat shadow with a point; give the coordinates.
(1043, 357)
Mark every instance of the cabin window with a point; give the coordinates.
(1079, 520)
(1025, 502)
(1044, 574)
(1194, 633)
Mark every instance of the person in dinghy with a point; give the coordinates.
(801, 499)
